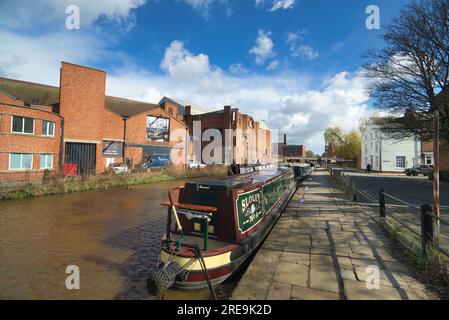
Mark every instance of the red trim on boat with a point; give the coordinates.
(199, 276)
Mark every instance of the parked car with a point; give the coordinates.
(157, 161)
(119, 168)
(193, 164)
(418, 169)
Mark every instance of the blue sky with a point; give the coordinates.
(294, 63)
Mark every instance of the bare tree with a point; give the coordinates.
(413, 68)
(411, 73)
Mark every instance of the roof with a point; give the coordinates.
(127, 107)
(30, 92)
(194, 108)
(45, 95)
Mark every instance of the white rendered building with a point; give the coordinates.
(386, 153)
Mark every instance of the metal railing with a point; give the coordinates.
(427, 222)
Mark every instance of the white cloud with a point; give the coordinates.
(204, 7)
(273, 65)
(181, 65)
(46, 12)
(277, 4)
(282, 4)
(238, 68)
(305, 51)
(300, 50)
(264, 47)
(38, 57)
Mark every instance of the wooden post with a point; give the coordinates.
(436, 171)
(427, 231)
(382, 211)
(354, 192)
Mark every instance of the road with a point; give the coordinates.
(414, 190)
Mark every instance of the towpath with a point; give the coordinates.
(325, 247)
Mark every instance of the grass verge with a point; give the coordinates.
(57, 185)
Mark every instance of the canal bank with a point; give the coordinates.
(325, 247)
(60, 185)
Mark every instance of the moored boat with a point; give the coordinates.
(302, 171)
(218, 224)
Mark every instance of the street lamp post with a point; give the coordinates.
(436, 172)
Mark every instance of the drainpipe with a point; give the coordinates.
(124, 138)
(61, 147)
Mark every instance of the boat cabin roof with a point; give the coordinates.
(238, 181)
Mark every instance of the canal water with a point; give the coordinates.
(112, 236)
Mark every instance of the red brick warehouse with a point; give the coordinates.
(42, 127)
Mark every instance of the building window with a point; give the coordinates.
(22, 125)
(20, 161)
(366, 148)
(429, 159)
(400, 162)
(158, 129)
(48, 128)
(377, 147)
(46, 161)
(377, 161)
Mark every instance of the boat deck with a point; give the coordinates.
(242, 180)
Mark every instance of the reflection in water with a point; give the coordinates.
(113, 236)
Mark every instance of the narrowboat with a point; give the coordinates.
(215, 225)
(302, 172)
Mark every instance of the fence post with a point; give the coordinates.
(382, 211)
(354, 192)
(427, 231)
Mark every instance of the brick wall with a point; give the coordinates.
(35, 144)
(82, 104)
(248, 138)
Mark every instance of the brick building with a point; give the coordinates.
(244, 139)
(294, 151)
(43, 127)
(291, 152)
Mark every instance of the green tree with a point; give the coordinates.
(344, 145)
(310, 154)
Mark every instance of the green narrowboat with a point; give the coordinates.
(215, 225)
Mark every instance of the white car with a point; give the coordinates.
(120, 168)
(196, 165)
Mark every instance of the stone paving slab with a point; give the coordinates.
(327, 248)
